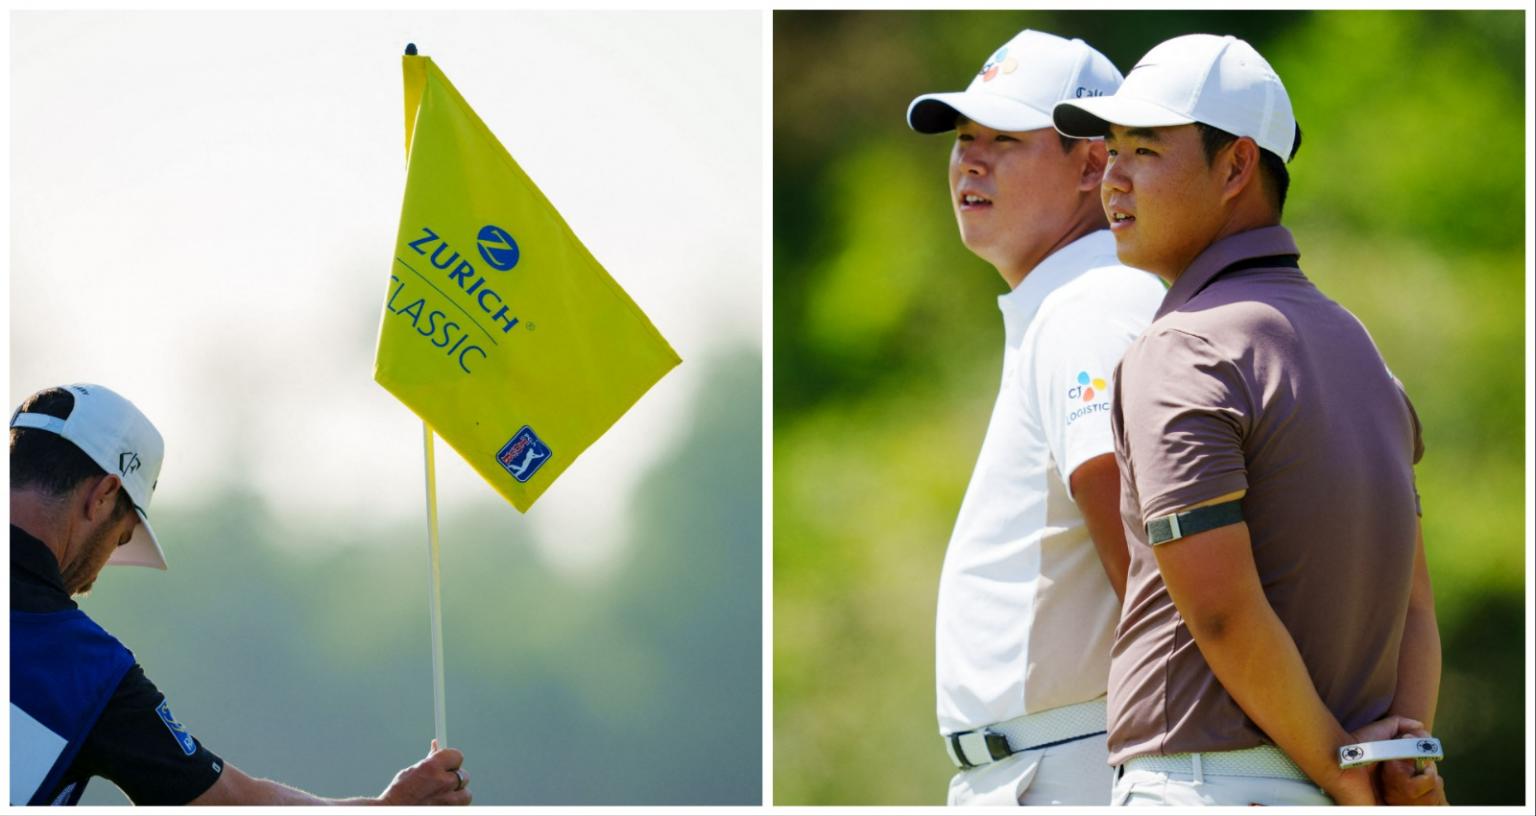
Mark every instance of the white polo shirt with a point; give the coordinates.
(1026, 615)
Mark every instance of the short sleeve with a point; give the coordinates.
(138, 745)
(1418, 442)
(1185, 413)
(1075, 352)
(1413, 415)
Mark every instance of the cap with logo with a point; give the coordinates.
(117, 436)
(1019, 84)
(1217, 81)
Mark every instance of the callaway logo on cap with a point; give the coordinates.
(1218, 81)
(1018, 85)
(122, 442)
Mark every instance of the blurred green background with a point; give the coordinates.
(1407, 199)
(316, 671)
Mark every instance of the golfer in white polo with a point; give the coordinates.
(1029, 594)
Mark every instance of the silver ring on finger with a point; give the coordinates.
(460, 774)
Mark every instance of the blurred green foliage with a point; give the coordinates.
(313, 668)
(1408, 203)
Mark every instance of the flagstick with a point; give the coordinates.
(434, 582)
(439, 705)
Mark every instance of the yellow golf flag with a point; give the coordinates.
(500, 330)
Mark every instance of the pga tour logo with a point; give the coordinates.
(523, 454)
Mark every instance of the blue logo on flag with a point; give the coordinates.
(523, 454)
(179, 731)
(497, 247)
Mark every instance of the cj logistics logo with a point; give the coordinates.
(1000, 62)
(1087, 387)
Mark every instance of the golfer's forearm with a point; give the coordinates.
(271, 792)
(276, 793)
(1418, 669)
(1096, 489)
(1214, 583)
(1418, 661)
(235, 787)
(1252, 654)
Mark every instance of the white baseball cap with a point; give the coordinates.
(1019, 84)
(1218, 81)
(123, 442)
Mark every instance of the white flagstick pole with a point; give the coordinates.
(434, 597)
(434, 578)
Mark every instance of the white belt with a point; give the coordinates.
(1265, 760)
(984, 746)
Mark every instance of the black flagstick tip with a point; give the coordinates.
(410, 49)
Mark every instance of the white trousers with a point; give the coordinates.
(1073, 773)
(1142, 787)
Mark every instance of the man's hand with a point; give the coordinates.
(1390, 727)
(436, 780)
(1403, 785)
(1400, 782)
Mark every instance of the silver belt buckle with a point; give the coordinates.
(982, 742)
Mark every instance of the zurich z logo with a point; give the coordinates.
(179, 731)
(523, 454)
(497, 247)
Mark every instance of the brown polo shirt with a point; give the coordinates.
(1249, 378)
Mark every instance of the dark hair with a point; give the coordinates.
(1270, 165)
(45, 461)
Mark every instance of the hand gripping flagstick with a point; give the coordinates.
(434, 578)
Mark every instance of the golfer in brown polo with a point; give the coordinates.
(1278, 607)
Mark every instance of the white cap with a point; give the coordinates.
(1019, 84)
(1218, 81)
(123, 442)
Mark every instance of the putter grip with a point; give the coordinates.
(1421, 749)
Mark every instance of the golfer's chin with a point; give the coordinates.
(1130, 253)
(983, 244)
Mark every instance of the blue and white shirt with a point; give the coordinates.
(81, 706)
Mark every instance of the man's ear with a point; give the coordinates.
(101, 498)
(1093, 167)
(1239, 164)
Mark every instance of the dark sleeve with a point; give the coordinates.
(141, 748)
(1186, 414)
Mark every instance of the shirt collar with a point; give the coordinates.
(1254, 243)
(32, 556)
(1097, 248)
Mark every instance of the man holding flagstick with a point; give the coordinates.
(84, 465)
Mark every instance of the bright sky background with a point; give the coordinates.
(203, 207)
